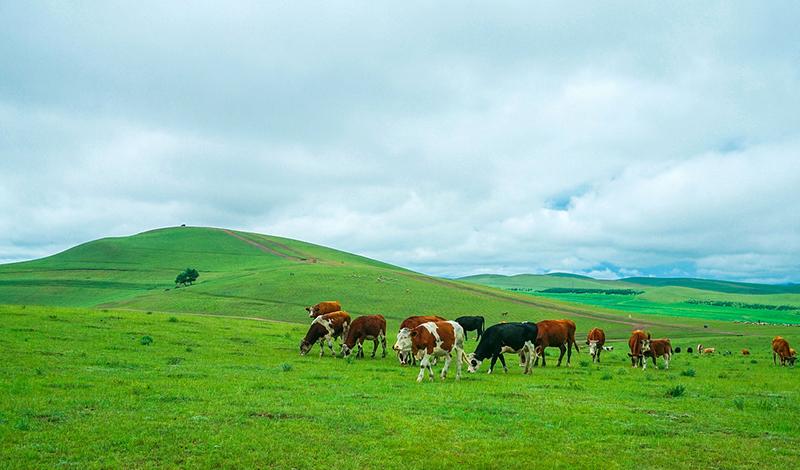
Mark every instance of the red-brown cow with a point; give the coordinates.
(596, 339)
(324, 308)
(367, 327)
(745, 352)
(555, 333)
(323, 329)
(781, 349)
(404, 355)
(639, 343)
(660, 348)
(432, 339)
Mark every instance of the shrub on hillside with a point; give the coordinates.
(187, 277)
(146, 340)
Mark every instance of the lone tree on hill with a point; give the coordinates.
(187, 277)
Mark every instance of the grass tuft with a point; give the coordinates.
(285, 367)
(173, 320)
(676, 391)
(606, 376)
(146, 340)
(738, 402)
(688, 373)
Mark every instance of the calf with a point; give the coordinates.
(781, 350)
(323, 329)
(366, 327)
(639, 343)
(471, 324)
(557, 333)
(503, 338)
(709, 351)
(659, 348)
(596, 339)
(404, 355)
(323, 308)
(432, 339)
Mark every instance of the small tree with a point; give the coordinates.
(187, 277)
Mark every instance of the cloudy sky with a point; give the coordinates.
(454, 138)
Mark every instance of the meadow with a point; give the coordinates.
(106, 364)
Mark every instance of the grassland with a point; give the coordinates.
(222, 384)
(82, 391)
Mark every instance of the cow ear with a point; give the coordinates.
(413, 333)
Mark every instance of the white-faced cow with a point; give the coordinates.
(362, 328)
(432, 339)
(404, 354)
(596, 339)
(471, 324)
(660, 348)
(505, 338)
(323, 329)
(639, 344)
(323, 308)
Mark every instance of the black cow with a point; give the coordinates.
(503, 338)
(678, 349)
(471, 324)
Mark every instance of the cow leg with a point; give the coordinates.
(374, 347)
(321, 347)
(459, 353)
(466, 337)
(422, 366)
(447, 359)
(330, 346)
(598, 354)
(569, 352)
(491, 364)
(544, 361)
(666, 361)
(563, 350)
(430, 367)
(644, 362)
(383, 345)
(503, 361)
(522, 360)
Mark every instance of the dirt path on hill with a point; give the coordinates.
(265, 248)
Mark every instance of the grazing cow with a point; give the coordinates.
(699, 349)
(745, 352)
(709, 351)
(677, 349)
(471, 324)
(555, 333)
(639, 343)
(323, 308)
(367, 327)
(608, 348)
(503, 338)
(323, 329)
(659, 348)
(781, 349)
(596, 339)
(404, 355)
(431, 339)
(689, 350)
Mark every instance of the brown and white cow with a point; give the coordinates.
(709, 351)
(324, 308)
(639, 344)
(366, 327)
(781, 350)
(432, 339)
(745, 352)
(404, 354)
(596, 339)
(555, 333)
(323, 329)
(660, 348)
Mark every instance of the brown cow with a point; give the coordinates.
(781, 349)
(367, 327)
(555, 333)
(404, 355)
(431, 339)
(325, 328)
(660, 347)
(596, 339)
(639, 343)
(323, 308)
(709, 351)
(745, 352)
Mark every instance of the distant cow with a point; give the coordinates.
(404, 355)
(323, 308)
(555, 333)
(699, 349)
(678, 349)
(367, 327)
(471, 324)
(709, 351)
(596, 339)
(503, 338)
(432, 339)
(781, 349)
(639, 343)
(323, 329)
(745, 352)
(659, 348)
(689, 350)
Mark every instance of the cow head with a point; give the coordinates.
(593, 347)
(346, 350)
(403, 346)
(310, 311)
(645, 343)
(305, 347)
(473, 364)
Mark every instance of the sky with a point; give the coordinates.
(610, 139)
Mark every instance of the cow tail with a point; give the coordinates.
(575, 343)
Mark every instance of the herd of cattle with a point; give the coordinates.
(426, 338)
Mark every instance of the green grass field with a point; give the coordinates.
(222, 383)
